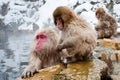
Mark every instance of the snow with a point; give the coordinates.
(118, 30)
(25, 27)
(117, 9)
(87, 6)
(27, 13)
(4, 1)
(46, 10)
(90, 18)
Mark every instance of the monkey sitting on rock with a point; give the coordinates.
(78, 39)
(107, 25)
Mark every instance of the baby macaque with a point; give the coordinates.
(107, 25)
(78, 39)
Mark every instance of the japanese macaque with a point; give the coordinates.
(44, 52)
(78, 39)
(107, 25)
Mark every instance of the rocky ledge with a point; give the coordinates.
(85, 70)
(107, 67)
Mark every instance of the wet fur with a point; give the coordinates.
(46, 57)
(107, 25)
(77, 35)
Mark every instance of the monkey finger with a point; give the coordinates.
(33, 72)
(28, 74)
(36, 71)
(23, 75)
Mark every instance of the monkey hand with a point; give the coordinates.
(59, 48)
(29, 72)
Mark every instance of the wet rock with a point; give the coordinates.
(104, 53)
(46, 74)
(108, 50)
(116, 70)
(83, 70)
(116, 56)
(99, 50)
(115, 77)
(113, 43)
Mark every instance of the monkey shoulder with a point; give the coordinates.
(110, 18)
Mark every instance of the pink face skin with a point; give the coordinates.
(98, 15)
(41, 38)
(59, 24)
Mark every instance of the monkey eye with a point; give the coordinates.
(57, 19)
(41, 36)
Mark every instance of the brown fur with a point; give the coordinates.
(107, 60)
(107, 25)
(46, 57)
(77, 36)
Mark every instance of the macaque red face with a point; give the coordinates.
(41, 39)
(100, 12)
(98, 15)
(59, 23)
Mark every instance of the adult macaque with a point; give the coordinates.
(44, 52)
(78, 39)
(107, 25)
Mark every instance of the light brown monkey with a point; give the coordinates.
(78, 39)
(107, 25)
(44, 52)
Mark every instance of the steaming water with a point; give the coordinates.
(14, 50)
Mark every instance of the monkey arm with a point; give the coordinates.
(33, 67)
(35, 61)
(70, 42)
(60, 41)
(105, 24)
(102, 25)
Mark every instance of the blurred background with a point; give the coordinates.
(19, 19)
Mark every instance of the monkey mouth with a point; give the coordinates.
(59, 25)
(37, 48)
(98, 15)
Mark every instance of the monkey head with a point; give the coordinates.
(44, 36)
(40, 39)
(63, 16)
(99, 13)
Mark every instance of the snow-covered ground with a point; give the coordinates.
(27, 13)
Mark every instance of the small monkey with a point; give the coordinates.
(107, 25)
(78, 39)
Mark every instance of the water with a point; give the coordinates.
(14, 50)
